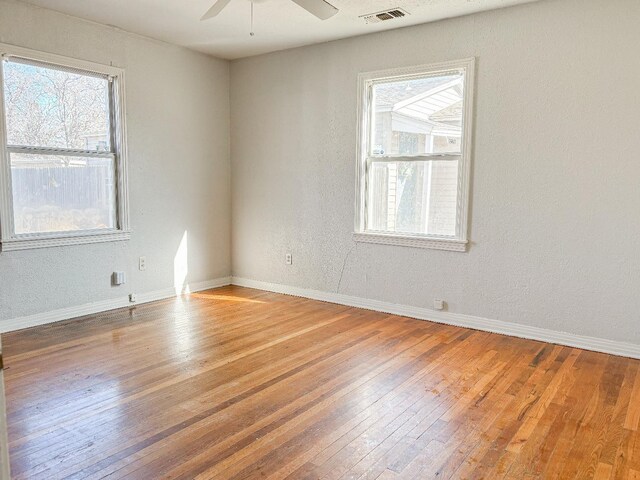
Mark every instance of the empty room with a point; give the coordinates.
(309, 239)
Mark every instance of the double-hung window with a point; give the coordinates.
(62, 151)
(414, 155)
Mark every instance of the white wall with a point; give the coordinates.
(178, 139)
(556, 194)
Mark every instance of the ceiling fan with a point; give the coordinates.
(319, 8)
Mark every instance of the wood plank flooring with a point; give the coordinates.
(236, 383)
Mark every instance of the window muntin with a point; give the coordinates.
(413, 167)
(63, 175)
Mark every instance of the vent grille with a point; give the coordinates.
(384, 16)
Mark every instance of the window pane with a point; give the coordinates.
(59, 194)
(413, 197)
(46, 107)
(418, 116)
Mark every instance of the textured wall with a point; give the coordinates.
(178, 138)
(555, 196)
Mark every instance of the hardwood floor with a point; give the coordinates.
(237, 383)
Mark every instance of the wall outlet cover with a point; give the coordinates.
(118, 278)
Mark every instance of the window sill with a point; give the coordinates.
(60, 240)
(435, 243)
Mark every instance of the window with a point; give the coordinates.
(62, 158)
(414, 155)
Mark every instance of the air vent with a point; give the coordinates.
(384, 16)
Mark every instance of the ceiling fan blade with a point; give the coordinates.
(319, 8)
(215, 10)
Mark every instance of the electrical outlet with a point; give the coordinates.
(142, 264)
(132, 298)
(438, 304)
(288, 259)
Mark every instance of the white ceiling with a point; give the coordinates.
(279, 24)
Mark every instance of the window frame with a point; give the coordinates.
(9, 240)
(366, 81)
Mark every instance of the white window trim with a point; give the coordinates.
(458, 242)
(8, 240)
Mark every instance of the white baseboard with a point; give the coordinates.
(459, 320)
(104, 305)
